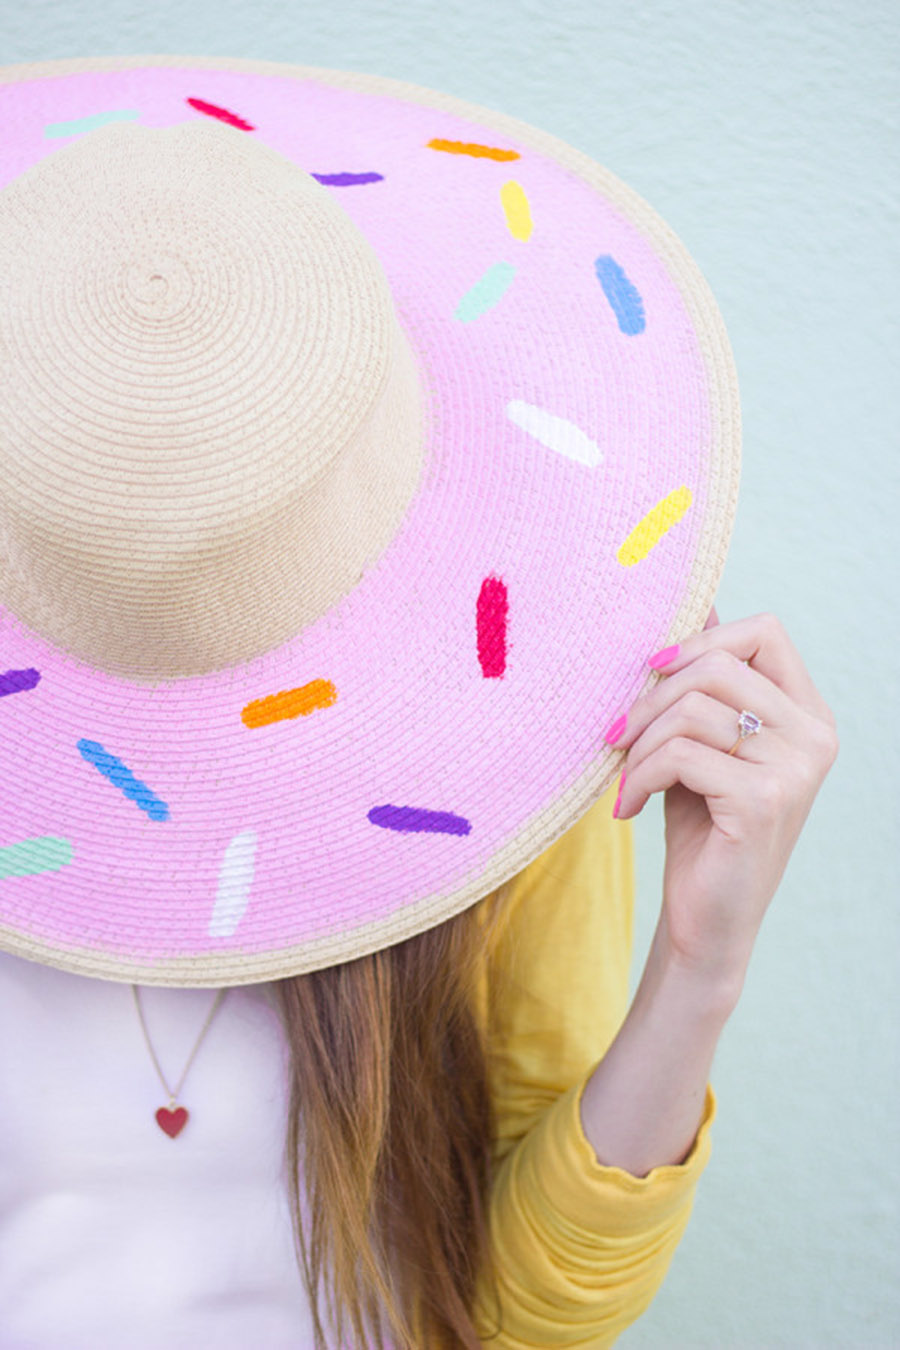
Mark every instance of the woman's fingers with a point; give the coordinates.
(763, 643)
(718, 778)
(731, 819)
(695, 716)
(720, 676)
(716, 674)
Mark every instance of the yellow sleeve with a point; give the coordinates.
(580, 1248)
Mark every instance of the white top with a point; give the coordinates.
(112, 1235)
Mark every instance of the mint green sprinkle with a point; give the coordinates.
(486, 292)
(80, 124)
(44, 854)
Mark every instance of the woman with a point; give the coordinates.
(303, 699)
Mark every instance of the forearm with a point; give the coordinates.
(642, 1105)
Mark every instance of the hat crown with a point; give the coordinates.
(211, 416)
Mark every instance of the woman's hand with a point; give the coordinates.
(731, 820)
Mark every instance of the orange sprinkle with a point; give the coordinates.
(289, 703)
(479, 151)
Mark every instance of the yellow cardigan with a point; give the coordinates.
(580, 1249)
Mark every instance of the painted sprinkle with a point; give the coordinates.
(45, 853)
(657, 522)
(491, 616)
(555, 432)
(289, 703)
(222, 114)
(468, 148)
(17, 681)
(347, 179)
(235, 880)
(517, 210)
(81, 124)
(418, 820)
(623, 297)
(488, 291)
(121, 777)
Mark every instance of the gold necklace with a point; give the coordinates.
(172, 1119)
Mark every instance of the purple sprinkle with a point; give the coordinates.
(347, 179)
(14, 681)
(417, 818)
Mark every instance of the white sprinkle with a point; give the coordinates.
(235, 880)
(557, 433)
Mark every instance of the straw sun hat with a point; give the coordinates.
(358, 446)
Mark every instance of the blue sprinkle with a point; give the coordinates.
(624, 298)
(123, 778)
(418, 819)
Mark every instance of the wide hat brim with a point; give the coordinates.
(443, 724)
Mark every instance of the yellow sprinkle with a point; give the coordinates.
(516, 210)
(658, 520)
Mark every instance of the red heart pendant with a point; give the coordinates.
(173, 1122)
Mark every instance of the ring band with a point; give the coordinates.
(749, 724)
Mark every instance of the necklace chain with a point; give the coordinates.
(173, 1095)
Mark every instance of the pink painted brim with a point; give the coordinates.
(270, 825)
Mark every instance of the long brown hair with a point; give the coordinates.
(390, 1106)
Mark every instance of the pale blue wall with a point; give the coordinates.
(765, 134)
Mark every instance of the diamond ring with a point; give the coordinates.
(749, 725)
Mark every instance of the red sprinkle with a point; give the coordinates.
(213, 110)
(493, 607)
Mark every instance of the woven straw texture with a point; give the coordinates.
(349, 480)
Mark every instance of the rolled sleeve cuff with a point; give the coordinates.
(608, 1199)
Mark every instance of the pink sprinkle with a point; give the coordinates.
(213, 110)
(493, 607)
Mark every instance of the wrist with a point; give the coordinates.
(714, 982)
(643, 1102)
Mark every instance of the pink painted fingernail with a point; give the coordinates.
(615, 731)
(619, 798)
(664, 657)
